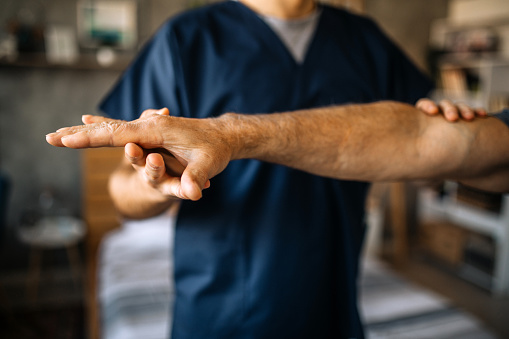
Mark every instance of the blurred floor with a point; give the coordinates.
(434, 296)
(394, 307)
(43, 323)
(492, 311)
(57, 312)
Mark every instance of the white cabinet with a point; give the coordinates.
(446, 207)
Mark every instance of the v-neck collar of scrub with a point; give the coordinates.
(272, 39)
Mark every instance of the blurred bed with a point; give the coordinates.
(128, 288)
(135, 289)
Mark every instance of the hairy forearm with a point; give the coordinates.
(346, 142)
(374, 142)
(133, 198)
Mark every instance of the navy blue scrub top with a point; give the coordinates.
(269, 251)
(504, 116)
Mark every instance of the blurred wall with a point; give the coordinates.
(408, 22)
(35, 101)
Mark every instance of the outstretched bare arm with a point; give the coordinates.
(382, 141)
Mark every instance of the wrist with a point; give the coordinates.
(232, 127)
(253, 136)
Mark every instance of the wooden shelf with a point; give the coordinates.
(86, 61)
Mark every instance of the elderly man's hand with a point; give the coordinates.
(198, 145)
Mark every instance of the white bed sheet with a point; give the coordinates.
(136, 289)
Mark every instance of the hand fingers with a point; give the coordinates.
(156, 176)
(112, 134)
(427, 106)
(153, 168)
(173, 186)
(449, 110)
(154, 171)
(90, 122)
(190, 184)
(88, 119)
(184, 183)
(480, 112)
(465, 111)
(134, 154)
(100, 135)
(461, 110)
(173, 166)
(55, 138)
(101, 132)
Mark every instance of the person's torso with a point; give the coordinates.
(271, 252)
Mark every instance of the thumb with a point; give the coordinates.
(194, 180)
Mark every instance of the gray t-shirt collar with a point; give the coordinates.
(295, 34)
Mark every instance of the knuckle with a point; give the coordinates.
(114, 129)
(146, 113)
(158, 119)
(152, 174)
(150, 180)
(132, 159)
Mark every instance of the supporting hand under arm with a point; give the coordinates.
(451, 112)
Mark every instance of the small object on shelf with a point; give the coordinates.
(8, 47)
(110, 23)
(61, 45)
(106, 56)
(53, 232)
(485, 200)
